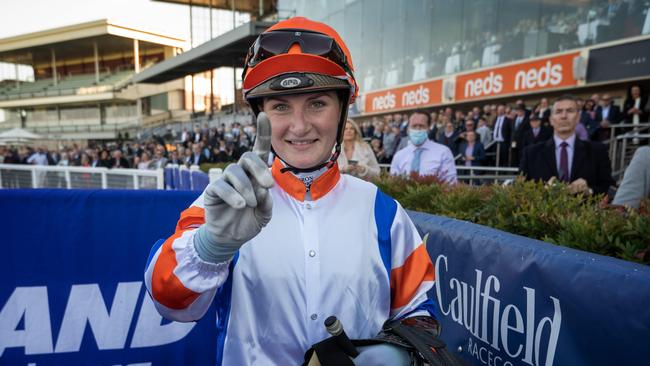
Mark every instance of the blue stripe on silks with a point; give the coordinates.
(223, 302)
(152, 252)
(429, 305)
(385, 209)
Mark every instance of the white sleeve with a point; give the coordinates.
(181, 284)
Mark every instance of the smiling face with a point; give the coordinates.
(303, 126)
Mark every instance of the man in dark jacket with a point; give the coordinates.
(607, 114)
(584, 165)
(536, 133)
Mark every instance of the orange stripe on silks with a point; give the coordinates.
(325, 182)
(190, 217)
(288, 182)
(166, 288)
(296, 188)
(405, 280)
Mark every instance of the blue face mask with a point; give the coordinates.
(418, 137)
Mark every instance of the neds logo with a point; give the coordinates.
(491, 84)
(415, 97)
(549, 74)
(381, 102)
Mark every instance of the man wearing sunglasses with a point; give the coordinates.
(281, 250)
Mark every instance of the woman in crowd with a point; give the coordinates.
(358, 158)
(588, 116)
(472, 151)
(379, 151)
(145, 161)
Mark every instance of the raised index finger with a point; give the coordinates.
(262, 145)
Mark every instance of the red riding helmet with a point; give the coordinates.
(299, 55)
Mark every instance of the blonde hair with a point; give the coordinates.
(357, 130)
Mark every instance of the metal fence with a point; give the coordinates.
(35, 176)
(476, 175)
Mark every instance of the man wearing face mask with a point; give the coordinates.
(423, 156)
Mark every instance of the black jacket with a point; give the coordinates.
(529, 137)
(590, 162)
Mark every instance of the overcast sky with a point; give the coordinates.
(19, 17)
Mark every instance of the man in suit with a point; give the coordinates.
(536, 133)
(501, 133)
(197, 157)
(118, 161)
(543, 111)
(160, 160)
(607, 114)
(584, 165)
(521, 124)
(186, 137)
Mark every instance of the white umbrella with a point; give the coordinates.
(18, 135)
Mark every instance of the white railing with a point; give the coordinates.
(36, 176)
(478, 174)
(484, 174)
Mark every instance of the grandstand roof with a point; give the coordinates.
(228, 49)
(248, 6)
(109, 35)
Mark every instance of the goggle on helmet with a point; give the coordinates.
(298, 56)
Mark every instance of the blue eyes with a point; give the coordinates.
(316, 104)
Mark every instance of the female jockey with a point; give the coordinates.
(279, 250)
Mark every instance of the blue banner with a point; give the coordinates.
(72, 290)
(509, 300)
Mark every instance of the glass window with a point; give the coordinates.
(369, 76)
(417, 40)
(353, 16)
(446, 37)
(392, 40)
(481, 45)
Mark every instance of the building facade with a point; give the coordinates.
(419, 53)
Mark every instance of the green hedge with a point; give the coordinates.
(532, 209)
(205, 167)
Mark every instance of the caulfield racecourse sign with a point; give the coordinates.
(506, 300)
(407, 97)
(495, 326)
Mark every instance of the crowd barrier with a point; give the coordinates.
(509, 300)
(183, 179)
(73, 293)
(52, 176)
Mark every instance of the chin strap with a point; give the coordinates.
(329, 163)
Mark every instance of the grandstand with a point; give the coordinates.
(83, 86)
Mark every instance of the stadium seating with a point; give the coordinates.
(46, 87)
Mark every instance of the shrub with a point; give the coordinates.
(205, 167)
(532, 209)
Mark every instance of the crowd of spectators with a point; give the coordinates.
(473, 136)
(512, 127)
(201, 145)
